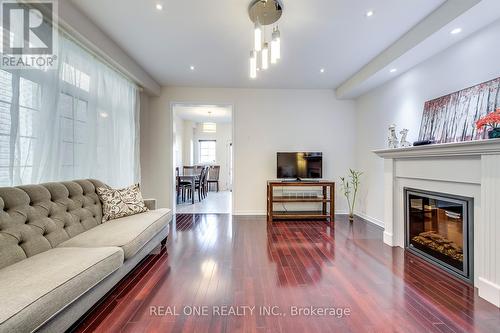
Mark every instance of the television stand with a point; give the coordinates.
(298, 180)
(327, 200)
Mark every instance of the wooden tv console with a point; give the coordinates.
(327, 199)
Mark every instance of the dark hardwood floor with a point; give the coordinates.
(216, 260)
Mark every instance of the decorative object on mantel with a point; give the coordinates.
(404, 134)
(392, 139)
(490, 120)
(350, 189)
(423, 143)
(452, 118)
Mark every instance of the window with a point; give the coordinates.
(17, 123)
(77, 121)
(207, 151)
(73, 119)
(75, 77)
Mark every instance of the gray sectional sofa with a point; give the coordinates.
(56, 257)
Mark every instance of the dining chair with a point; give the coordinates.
(187, 170)
(205, 181)
(200, 185)
(198, 169)
(213, 176)
(177, 188)
(185, 186)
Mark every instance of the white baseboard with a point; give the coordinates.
(388, 239)
(489, 291)
(371, 219)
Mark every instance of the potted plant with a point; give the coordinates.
(350, 187)
(490, 120)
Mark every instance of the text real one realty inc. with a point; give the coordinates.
(247, 310)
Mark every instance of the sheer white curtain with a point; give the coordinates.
(77, 121)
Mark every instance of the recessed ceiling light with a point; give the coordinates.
(322, 70)
(456, 31)
(369, 13)
(393, 70)
(159, 6)
(191, 67)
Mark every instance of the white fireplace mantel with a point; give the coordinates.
(470, 169)
(467, 148)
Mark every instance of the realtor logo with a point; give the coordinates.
(29, 34)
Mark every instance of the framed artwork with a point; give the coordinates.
(452, 118)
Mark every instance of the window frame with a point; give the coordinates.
(36, 77)
(76, 94)
(200, 159)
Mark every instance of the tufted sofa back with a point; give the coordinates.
(36, 218)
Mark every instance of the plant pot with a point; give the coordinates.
(494, 133)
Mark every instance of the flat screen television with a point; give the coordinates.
(300, 165)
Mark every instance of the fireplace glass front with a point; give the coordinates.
(437, 229)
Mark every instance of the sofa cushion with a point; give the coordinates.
(130, 233)
(122, 202)
(36, 218)
(34, 289)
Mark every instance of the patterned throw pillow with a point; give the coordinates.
(119, 203)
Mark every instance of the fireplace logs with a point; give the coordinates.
(438, 243)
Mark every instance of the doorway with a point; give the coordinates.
(203, 158)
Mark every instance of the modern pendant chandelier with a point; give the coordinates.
(266, 48)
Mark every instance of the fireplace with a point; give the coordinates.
(438, 228)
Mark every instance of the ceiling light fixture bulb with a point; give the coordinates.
(265, 56)
(159, 6)
(393, 70)
(191, 67)
(369, 13)
(257, 36)
(322, 70)
(456, 31)
(253, 64)
(275, 46)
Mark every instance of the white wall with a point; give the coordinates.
(143, 140)
(188, 143)
(223, 137)
(156, 149)
(178, 141)
(469, 62)
(265, 121)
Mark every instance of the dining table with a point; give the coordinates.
(192, 178)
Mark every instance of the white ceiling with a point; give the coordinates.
(216, 37)
(200, 113)
(477, 17)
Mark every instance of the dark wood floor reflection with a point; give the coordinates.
(216, 260)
